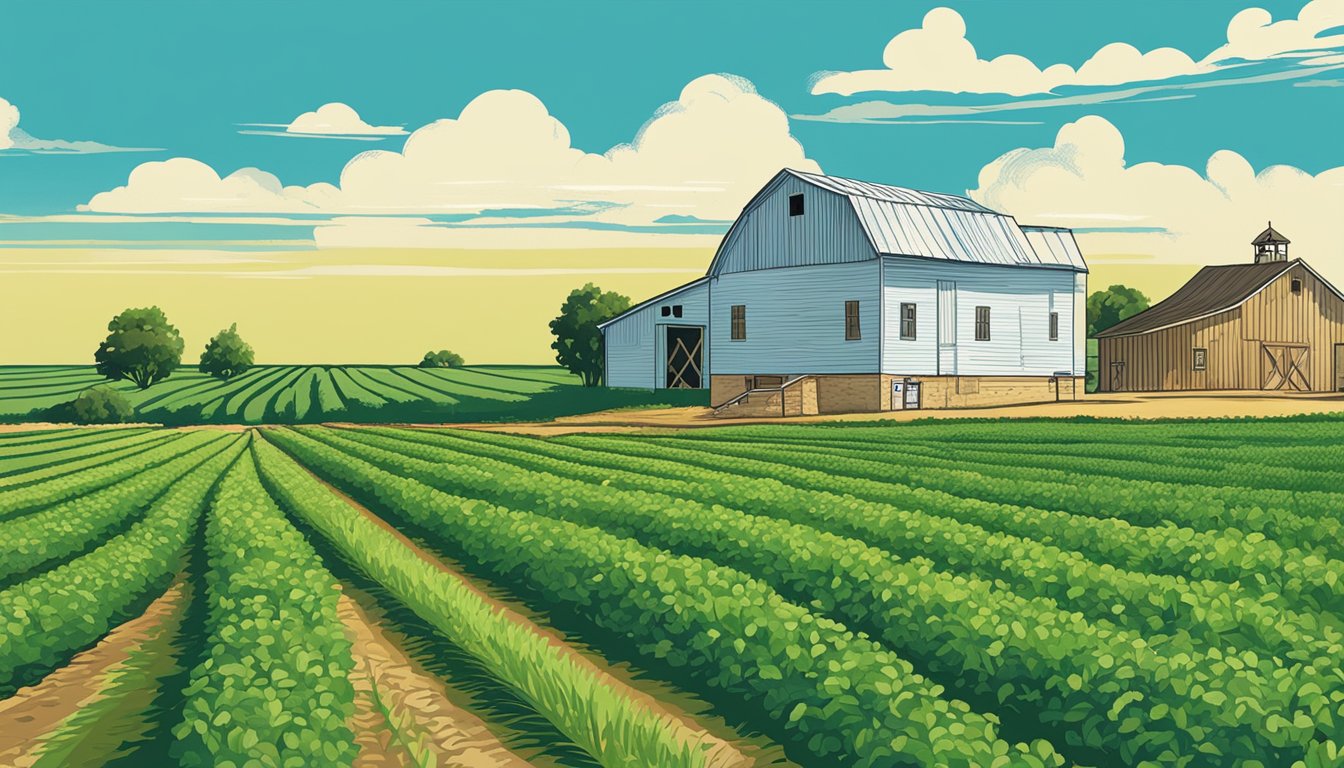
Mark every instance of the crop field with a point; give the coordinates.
(956, 593)
(309, 394)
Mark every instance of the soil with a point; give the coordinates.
(35, 711)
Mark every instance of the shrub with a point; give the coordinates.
(99, 405)
(227, 355)
(441, 359)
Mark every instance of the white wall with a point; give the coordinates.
(635, 343)
(1020, 301)
(796, 320)
(767, 237)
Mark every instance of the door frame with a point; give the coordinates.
(699, 352)
(1337, 368)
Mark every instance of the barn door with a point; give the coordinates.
(683, 356)
(1285, 367)
(947, 328)
(1117, 376)
(1339, 367)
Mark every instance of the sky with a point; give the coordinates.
(360, 182)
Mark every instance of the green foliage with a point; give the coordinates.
(442, 359)
(141, 347)
(578, 342)
(55, 613)
(100, 405)
(1108, 307)
(849, 699)
(226, 355)
(274, 687)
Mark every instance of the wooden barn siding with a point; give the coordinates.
(1164, 360)
(767, 237)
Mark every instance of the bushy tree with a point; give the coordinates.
(99, 405)
(442, 359)
(578, 342)
(227, 355)
(1108, 307)
(141, 346)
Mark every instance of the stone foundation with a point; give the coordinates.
(869, 393)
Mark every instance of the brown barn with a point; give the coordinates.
(1273, 325)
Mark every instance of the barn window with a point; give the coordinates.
(795, 205)
(1201, 361)
(676, 310)
(852, 321)
(1054, 326)
(982, 323)
(739, 324)
(1296, 285)
(667, 311)
(908, 322)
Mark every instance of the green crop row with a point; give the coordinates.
(65, 529)
(846, 697)
(87, 438)
(33, 469)
(273, 688)
(1307, 581)
(948, 624)
(64, 609)
(571, 695)
(1211, 612)
(64, 488)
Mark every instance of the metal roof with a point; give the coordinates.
(890, 194)
(1210, 291)
(1269, 236)
(1055, 246)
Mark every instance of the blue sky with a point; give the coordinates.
(181, 76)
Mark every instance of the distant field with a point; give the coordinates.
(974, 594)
(296, 394)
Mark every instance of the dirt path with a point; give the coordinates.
(403, 712)
(35, 711)
(1152, 405)
(720, 753)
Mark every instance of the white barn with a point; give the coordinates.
(831, 295)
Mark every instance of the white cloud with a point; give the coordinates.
(704, 155)
(15, 139)
(1168, 213)
(937, 56)
(329, 121)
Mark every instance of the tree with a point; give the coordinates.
(97, 405)
(578, 342)
(441, 359)
(1108, 307)
(141, 347)
(227, 355)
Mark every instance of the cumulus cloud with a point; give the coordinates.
(1165, 213)
(702, 155)
(15, 139)
(937, 56)
(329, 121)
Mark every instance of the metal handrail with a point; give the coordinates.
(757, 390)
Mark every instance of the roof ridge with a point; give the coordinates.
(977, 209)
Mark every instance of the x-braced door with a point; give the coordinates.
(684, 344)
(1285, 367)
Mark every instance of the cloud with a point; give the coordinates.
(1165, 213)
(329, 121)
(937, 56)
(16, 140)
(505, 156)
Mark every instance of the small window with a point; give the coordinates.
(982, 323)
(907, 322)
(667, 311)
(795, 205)
(739, 324)
(676, 310)
(852, 321)
(1054, 326)
(1296, 285)
(1201, 361)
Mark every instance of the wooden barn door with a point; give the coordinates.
(1339, 367)
(1285, 367)
(683, 356)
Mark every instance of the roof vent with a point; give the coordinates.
(1270, 245)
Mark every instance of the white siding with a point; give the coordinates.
(1019, 299)
(635, 343)
(767, 237)
(796, 320)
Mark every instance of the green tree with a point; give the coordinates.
(1108, 307)
(578, 342)
(227, 355)
(442, 359)
(141, 346)
(98, 405)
